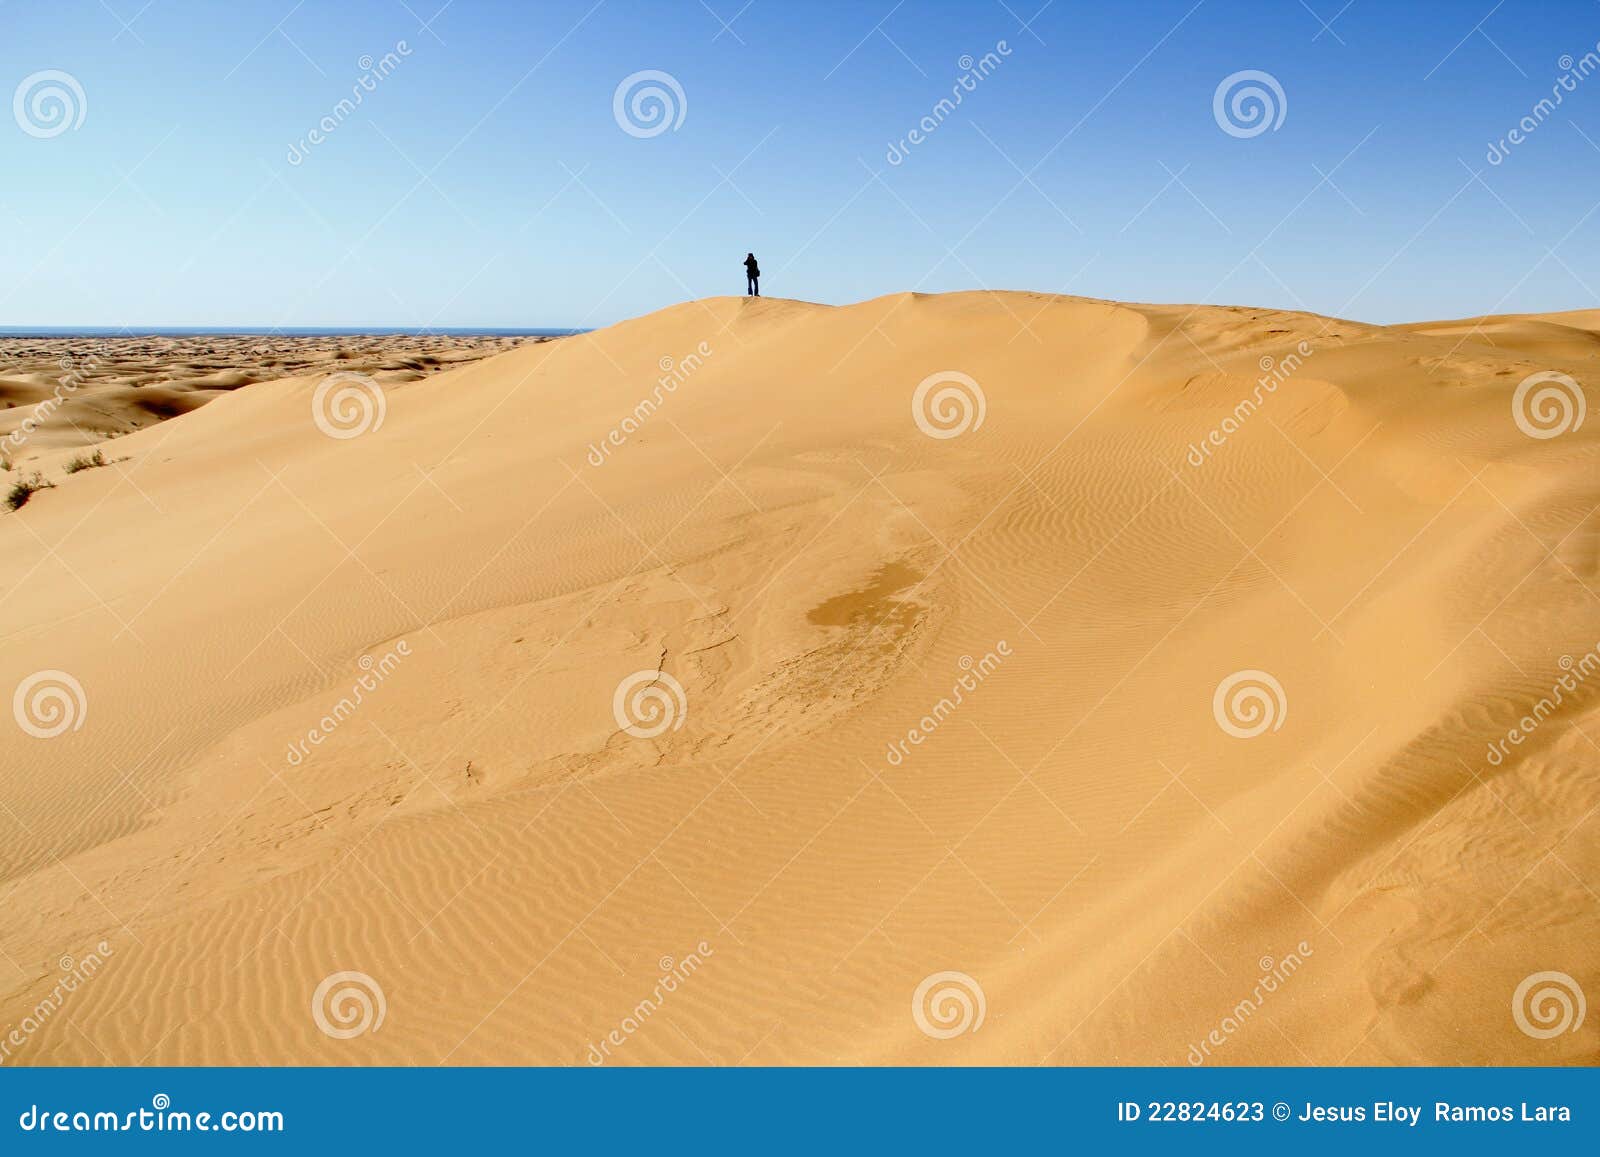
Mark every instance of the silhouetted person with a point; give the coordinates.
(752, 276)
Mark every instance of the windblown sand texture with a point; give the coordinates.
(1080, 837)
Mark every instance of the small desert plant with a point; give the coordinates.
(85, 462)
(22, 489)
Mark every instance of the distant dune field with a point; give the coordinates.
(98, 388)
(982, 678)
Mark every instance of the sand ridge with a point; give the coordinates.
(1204, 693)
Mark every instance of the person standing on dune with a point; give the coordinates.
(752, 276)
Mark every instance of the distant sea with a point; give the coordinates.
(274, 331)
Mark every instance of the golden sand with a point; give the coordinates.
(660, 759)
(92, 389)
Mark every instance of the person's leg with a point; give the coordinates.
(756, 282)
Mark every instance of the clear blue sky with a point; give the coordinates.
(485, 181)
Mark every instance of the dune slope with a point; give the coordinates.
(700, 690)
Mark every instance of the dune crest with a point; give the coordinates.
(968, 678)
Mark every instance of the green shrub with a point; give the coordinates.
(85, 462)
(22, 489)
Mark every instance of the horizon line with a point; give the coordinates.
(387, 329)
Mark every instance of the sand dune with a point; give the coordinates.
(1228, 679)
(78, 391)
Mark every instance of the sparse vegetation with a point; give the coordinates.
(85, 462)
(22, 489)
